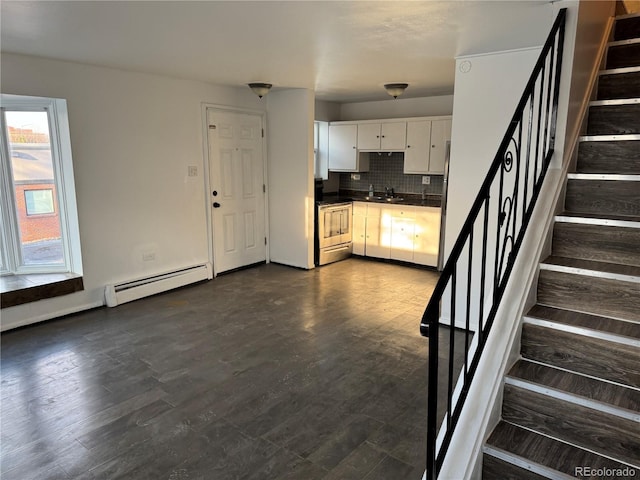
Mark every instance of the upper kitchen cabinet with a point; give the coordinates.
(343, 149)
(424, 141)
(440, 142)
(382, 136)
(427, 146)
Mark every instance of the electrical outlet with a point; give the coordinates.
(193, 171)
(355, 176)
(426, 180)
(148, 257)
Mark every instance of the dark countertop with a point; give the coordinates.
(399, 199)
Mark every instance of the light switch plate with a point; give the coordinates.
(426, 180)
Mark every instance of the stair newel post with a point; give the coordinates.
(431, 319)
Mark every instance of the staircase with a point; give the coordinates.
(571, 404)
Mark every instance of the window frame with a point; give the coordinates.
(64, 197)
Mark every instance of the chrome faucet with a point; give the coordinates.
(388, 192)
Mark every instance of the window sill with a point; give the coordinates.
(21, 289)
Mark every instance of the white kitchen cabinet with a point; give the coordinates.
(359, 227)
(416, 156)
(426, 242)
(402, 232)
(384, 136)
(378, 231)
(398, 232)
(343, 151)
(427, 144)
(440, 138)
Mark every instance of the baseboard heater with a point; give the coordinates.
(126, 292)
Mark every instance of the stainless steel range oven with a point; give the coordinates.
(334, 232)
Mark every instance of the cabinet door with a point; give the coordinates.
(416, 155)
(402, 227)
(427, 236)
(343, 155)
(359, 227)
(394, 136)
(378, 237)
(402, 238)
(369, 136)
(440, 135)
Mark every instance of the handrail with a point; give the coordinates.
(529, 140)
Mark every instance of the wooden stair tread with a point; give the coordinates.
(544, 451)
(591, 265)
(577, 385)
(585, 320)
(593, 429)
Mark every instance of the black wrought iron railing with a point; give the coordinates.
(476, 273)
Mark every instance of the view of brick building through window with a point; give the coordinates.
(36, 204)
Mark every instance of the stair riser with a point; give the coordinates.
(614, 119)
(495, 469)
(619, 85)
(627, 28)
(578, 425)
(621, 157)
(621, 56)
(599, 296)
(603, 197)
(581, 354)
(597, 242)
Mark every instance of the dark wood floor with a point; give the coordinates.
(267, 373)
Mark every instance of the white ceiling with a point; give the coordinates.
(343, 50)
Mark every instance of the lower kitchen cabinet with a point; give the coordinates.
(398, 232)
(402, 228)
(426, 240)
(378, 231)
(359, 227)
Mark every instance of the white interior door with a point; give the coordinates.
(237, 196)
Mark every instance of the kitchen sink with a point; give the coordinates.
(384, 199)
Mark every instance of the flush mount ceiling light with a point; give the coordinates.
(260, 89)
(396, 89)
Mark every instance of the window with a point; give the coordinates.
(39, 202)
(37, 205)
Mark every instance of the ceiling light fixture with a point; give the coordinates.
(260, 89)
(396, 89)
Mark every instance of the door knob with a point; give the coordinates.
(216, 205)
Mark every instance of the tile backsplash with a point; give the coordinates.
(386, 171)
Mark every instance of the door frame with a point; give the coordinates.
(207, 182)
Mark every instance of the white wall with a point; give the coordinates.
(327, 111)
(290, 171)
(397, 108)
(133, 136)
(485, 100)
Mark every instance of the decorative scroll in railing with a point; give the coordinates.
(476, 273)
